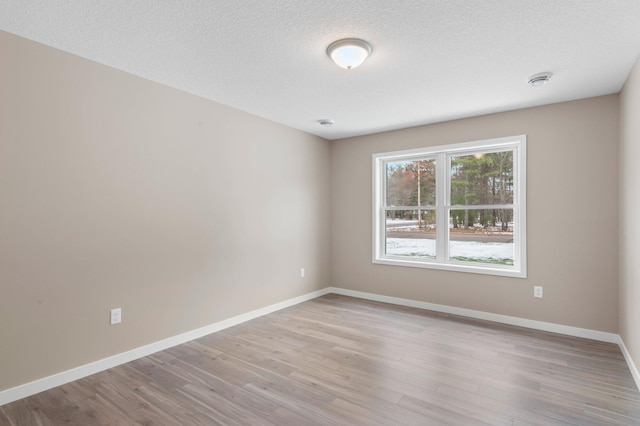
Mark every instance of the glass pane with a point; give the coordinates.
(411, 233)
(483, 178)
(484, 236)
(411, 183)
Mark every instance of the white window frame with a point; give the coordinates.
(443, 154)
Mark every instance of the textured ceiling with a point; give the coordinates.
(433, 60)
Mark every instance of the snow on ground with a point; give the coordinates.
(416, 247)
(426, 248)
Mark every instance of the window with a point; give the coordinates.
(455, 207)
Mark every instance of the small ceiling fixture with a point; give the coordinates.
(348, 53)
(326, 123)
(540, 79)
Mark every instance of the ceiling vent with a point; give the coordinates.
(540, 79)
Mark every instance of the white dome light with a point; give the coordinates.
(348, 53)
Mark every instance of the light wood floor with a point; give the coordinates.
(338, 360)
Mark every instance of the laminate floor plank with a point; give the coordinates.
(337, 360)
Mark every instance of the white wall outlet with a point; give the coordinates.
(301, 272)
(116, 316)
(537, 291)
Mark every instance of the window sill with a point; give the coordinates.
(456, 267)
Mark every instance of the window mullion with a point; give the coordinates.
(441, 211)
(481, 206)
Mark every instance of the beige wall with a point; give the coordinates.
(572, 210)
(119, 192)
(629, 214)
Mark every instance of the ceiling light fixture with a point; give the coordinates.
(540, 79)
(326, 123)
(348, 53)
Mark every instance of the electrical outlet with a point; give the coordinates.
(301, 272)
(116, 316)
(537, 291)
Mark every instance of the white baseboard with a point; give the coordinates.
(40, 385)
(504, 319)
(632, 366)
